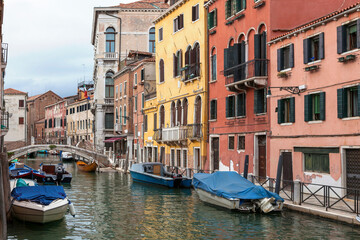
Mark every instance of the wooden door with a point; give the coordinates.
(287, 166)
(262, 156)
(197, 159)
(162, 155)
(215, 153)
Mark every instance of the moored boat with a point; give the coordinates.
(230, 190)
(154, 172)
(55, 174)
(39, 204)
(20, 170)
(82, 166)
(66, 156)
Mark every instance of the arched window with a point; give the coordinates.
(178, 113)
(177, 63)
(173, 115)
(195, 57)
(161, 71)
(109, 85)
(110, 39)
(120, 114)
(197, 126)
(124, 115)
(162, 117)
(185, 111)
(213, 64)
(152, 40)
(231, 42)
(116, 116)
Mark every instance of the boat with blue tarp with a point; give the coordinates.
(230, 190)
(154, 172)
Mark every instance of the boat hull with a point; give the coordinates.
(216, 200)
(34, 212)
(82, 166)
(147, 178)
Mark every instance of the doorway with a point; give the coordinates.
(261, 142)
(352, 170)
(197, 160)
(214, 154)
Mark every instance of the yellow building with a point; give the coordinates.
(181, 85)
(150, 153)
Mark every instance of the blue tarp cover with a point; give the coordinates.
(231, 185)
(40, 194)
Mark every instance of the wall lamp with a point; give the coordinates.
(291, 89)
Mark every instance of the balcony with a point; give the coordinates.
(109, 101)
(110, 56)
(4, 123)
(118, 127)
(178, 135)
(4, 54)
(157, 135)
(194, 131)
(253, 73)
(190, 72)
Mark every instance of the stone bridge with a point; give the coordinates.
(101, 159)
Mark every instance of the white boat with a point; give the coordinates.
(66, 156)
(230, 190)
(31, 211)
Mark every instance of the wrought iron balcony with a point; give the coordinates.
(194, 131)
(4, 123)
(254, 71)
(4, 54)
(157, 134)
(110, 55)
(190, 72)
(178, 134)
(109, 101)
(174, 133)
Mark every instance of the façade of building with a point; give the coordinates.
(116, 31)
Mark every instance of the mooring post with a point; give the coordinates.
(3, 220)
(246, 166)
(126, 160)
(278, 176)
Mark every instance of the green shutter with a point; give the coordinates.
(256, 100)
(209, 20)
(341, 102)
(227, 106)
(280, 111)
(243, 4)
(322, 106)
(238, 5)
(227, 9)
(215, 17)
(215, 109)
(308, 108)
(292, 109)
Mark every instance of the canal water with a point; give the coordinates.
(112, 206)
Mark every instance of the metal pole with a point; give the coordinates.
(278, 176)
(246, 166)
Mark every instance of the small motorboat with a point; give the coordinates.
(53, 152)
(82, 166)
(55, 174)
(20, 170)
(39, 204)
(154, 172)
(66, 156)
(230, 190)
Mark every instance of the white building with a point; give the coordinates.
(118, 29)
(15, 104)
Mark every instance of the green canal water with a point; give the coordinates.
(112, 206)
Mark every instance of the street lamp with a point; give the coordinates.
(291, 89)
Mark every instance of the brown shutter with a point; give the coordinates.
(185, 107)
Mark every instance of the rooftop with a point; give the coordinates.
(14, 92)
(144, 4)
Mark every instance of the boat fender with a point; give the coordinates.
(72, 208)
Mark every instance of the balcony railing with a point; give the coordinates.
(194, 131)
(158, 134)
(174, 133)
(4, 122)
(111, 55)
(109, 101)
(190, 71)
(246, 71)
(179, 133)
(4, 53)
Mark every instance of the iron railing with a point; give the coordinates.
(190, 71)
(4, 121)
(157, 134)
(109, 101)
(247, 70)
(194, 131)
(4, 53)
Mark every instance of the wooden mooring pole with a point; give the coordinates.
(4, 194)
(126, 161)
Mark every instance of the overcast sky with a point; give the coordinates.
(49, 43)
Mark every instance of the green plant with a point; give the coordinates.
(282, 75)
(10, 154)
(52, 147)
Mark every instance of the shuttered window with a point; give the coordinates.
(161, 71)
(213, 109)
(260, 101)
(155, 121)
(286, 110)
(285, 57)
(231, 143)
(240, 5)
(178, 23)
(213, 67)
(315, 162)
(314, 107)
(160, 34)
(195, 12)
(230, 106)
(142, 74)
(146, 123)
(241, 105)
(313, 48)
(229, 8)
(241, 143)
(348, 102)
(212, 19)
(348, 37)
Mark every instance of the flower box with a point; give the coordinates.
(282, 75)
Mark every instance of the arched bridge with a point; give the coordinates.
(101, 159)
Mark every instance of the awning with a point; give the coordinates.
(111, 140)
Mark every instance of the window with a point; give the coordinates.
(213, 109)
(192, 62)
(152, 40)
(212, 19)
(109, 86)
(110, 39)
(348, 102)
(136, 103)
(116, 116)
(124, 115)
(109, 121)
(177, 63)
(135, 79)
(185, 112)
(314, 48)
(231, 142)
(241, 105)
(348, 37)
(260, 101)
(315, 162)
(285, 57)
(286, 110)
(195, 12)
(161, 71)
(155, 121)
(21, 103)
(178, 157)
(142, 100)
(179, 23)
(234, 6)
(120, 115)
(160, 34)
(116, 92)
(172, 157)
(241, 143)
(184, 158)
(120, 90)
(230, 106)
(136, 130)
(146, 123)
(314, 107)
(21, 120)
(142, 77)
(213, 64)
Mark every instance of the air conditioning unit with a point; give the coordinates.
(118, 127)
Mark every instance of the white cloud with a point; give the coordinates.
(49, 43)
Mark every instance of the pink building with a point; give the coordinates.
(317, 130)
(55, 123)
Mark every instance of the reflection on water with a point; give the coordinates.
(110, 206)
